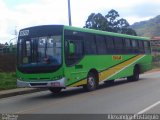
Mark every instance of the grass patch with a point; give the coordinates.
(7, 80)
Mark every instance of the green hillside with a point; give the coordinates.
(148, 28)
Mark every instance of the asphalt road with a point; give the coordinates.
(140, 97)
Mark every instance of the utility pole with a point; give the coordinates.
(69, 13)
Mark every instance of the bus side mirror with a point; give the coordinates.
(71, 48)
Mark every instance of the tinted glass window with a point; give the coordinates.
(101, 45)
(118, 43)
(128, 43)
(90, 44)
(141, 47)
(110, 42)
(135, 49)
(75, 38)
(147, 47)
(134, 44)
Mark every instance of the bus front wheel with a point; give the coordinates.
(55, 90)
(91, 82)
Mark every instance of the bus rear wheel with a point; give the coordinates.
(91, 82)
(55, 90)
(135, 76)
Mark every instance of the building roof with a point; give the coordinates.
(155, 38)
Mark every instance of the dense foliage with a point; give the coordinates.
(109, 22)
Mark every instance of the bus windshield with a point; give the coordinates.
(39, 52)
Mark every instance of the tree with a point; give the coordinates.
(109, 22)
(6, 44)
(96, 21)
(112, 20)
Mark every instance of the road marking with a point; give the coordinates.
(144, 110)
(149, 107)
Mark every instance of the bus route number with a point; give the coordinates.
(117, 57)
(24, 33)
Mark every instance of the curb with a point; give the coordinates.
(21, 91)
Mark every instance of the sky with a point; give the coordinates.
(18, 14)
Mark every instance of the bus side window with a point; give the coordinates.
(77, 39)
(90, 44)
(118, 45)
(147, 47)
(128, 46)
(134, 46)
(101, 44)
(141, 47)
(78, 54)
(110, 45)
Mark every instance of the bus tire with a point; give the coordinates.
(55, 90)
(135, 76)
(91, 82)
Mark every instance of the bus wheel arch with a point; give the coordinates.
(92, 80)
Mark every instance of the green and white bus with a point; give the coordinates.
(58, 56)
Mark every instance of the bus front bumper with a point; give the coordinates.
(44, 84)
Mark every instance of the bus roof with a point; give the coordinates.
(92, 31)
(105, 33)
